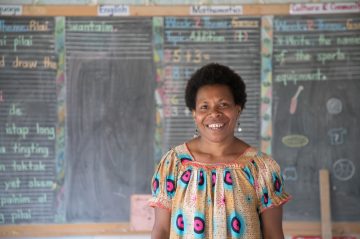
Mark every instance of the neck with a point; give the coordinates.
(217, 149)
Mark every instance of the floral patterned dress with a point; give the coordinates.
(216, 200)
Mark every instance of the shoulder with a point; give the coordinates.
(267, 162)
(254, 154)
(262, 157)
(168, 157)
(176, 155)
(260, 160)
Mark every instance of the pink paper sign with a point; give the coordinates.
(142, 215)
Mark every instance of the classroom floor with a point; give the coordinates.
(145, 236)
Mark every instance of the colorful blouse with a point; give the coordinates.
(216, 200)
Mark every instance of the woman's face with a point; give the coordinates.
(215, 112)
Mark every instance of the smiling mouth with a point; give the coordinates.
(215, 126)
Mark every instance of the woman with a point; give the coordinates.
(216, 185)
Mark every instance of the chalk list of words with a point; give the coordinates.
(28, 117)
(315, 49)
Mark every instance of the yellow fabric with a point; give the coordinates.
(226, 205)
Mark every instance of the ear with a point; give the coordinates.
(239, 109)
(193, 113)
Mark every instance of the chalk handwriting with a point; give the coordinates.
(21, 214)
(13, 129)
(240, 23)
(293, 40)
(48, 63)
(334, 106)
(172, 22)
(344, 169)
(337, 136)
(319, 24)
(91, 27)
(290, 173)
(296, 77)
(42, 198)
(27, 150)
(38, 26)
(324, 57)
(351, 40)
(25, 64)
(323, 40)
(351, 25)
(15, 110)
(28, 166)
(214, 24)
(33, 26)
(295, 141)
(294, 100)
(11, 184)
(241, 36)
(206, 36)
(22, 40)
(14, 199)
(37, 183)
(47, 131)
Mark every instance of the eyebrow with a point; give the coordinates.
(221, 99)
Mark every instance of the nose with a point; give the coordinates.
(215, 112)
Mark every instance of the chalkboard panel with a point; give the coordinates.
(316, 63)
(112, 115)
(110, 121)
(184, 44)
(28, 118)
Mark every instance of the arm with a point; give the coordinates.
(161, 229)
(272, 223)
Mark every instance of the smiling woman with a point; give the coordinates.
(216, 113)
(216, 185)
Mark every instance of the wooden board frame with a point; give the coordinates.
(147, 11)
(294, 228)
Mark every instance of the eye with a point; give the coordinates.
(203, 107)
(223, 105)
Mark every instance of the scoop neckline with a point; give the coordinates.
(235, 162)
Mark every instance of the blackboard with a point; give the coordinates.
(77, 118)
(104, 100)
(184, 44)
(28, 116)
(110, 99)
(316, 83)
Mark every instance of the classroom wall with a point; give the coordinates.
(89, 2)
(160, 2)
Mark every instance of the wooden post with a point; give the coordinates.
(326, 232)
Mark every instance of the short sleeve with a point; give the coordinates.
(270, 188)
(163, 184)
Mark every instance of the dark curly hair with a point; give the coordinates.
(211, 74)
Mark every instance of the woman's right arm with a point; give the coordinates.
(161, 229)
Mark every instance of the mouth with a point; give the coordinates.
(215, 126)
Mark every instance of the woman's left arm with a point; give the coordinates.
(272, 223)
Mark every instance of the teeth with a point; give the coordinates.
(215, 126)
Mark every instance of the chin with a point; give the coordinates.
(216, 138)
